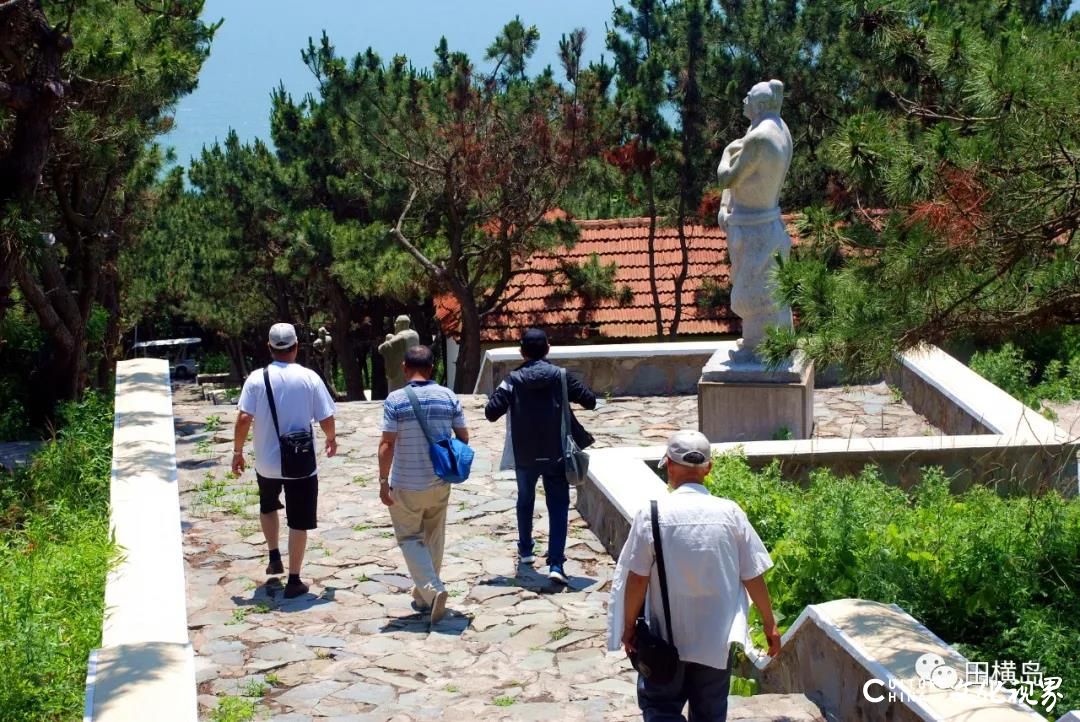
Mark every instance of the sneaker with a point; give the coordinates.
(556, 574)
(438, 607)
(294, 589)
(526, 559)
(275, 567)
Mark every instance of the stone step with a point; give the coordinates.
(774, 708)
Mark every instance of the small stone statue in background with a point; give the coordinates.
(751, 172)
(393, 351)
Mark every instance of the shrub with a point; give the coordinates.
(215, 363)
(54, 554)
(1011, 369)
(1006, 368)
(992, 575)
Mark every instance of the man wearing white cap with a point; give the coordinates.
(712, 558)
(297, 396)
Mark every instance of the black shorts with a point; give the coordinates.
(301, 499)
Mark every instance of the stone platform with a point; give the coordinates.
(512, 648)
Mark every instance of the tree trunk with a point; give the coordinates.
(6, 277)
(691, 141)
(379, 387)
(650, 186)
(343, 342)
(235, 349)
(469, 357)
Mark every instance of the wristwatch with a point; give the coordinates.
(384, 481)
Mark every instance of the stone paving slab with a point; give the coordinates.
(512, 647)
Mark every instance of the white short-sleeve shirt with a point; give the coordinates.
(300, 396)
(709, 548)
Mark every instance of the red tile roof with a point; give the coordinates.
(535, 299)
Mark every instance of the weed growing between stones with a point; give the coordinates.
(233, 709)
(502, 701)
(255, 688)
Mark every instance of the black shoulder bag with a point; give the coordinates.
(656, 659)
(297, 447)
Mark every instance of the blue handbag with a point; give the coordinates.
(451, 458)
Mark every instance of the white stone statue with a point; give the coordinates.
(751, 172)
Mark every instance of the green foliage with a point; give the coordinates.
(993, 575)
(233, 709)
(54, 554)
(1006, 368)
(215, 363)
(127, 65)
(971, 145)
(712, 296)
(592, 280)
(1009, 368)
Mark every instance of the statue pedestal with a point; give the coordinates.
(739, 399)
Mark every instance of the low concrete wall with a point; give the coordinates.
(631, 369)
(145, 668)
(959, 401)
(840, 653)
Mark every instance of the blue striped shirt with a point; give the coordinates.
(412, 469)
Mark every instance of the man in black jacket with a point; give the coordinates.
(532, 394)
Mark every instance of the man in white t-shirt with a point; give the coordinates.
(299, 397)
(713, 558)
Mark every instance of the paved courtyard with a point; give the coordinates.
(512, 647)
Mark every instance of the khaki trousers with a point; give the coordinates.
(419, 519)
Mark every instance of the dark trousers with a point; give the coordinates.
(705, 688)
(557, 494)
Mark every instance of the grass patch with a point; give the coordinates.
(452, 688)
(213, 422)
(502, 701)
(54, 554)
(361, 527)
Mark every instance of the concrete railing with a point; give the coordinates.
(145, 669)
(620, 369)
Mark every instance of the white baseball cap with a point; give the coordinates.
(688, 448)
(282, 336)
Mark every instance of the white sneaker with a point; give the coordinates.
(438, 606)
(530, 559)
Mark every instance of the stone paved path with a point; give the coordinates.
(512, 647)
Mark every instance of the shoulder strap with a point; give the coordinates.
(418, 412)
(565, 408)
(660, 568)
(270, 398)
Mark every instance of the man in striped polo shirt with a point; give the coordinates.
(417, 498)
